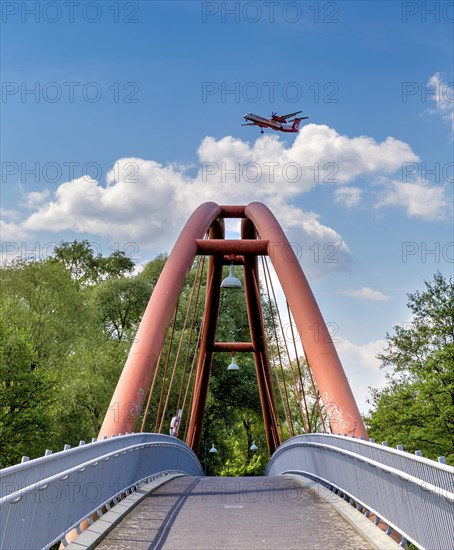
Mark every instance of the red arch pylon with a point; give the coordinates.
(127, 401)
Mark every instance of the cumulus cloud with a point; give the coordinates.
(12, 215)
(10, 227)
(319, 154)
(365, 293)
(148, 202)
(420, 200)
(349, 196)
(443, 98)
(34, 199)
(11, 231)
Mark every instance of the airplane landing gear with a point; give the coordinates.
(261, 131)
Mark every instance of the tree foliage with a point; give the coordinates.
(24, 397)
(67, 323)
(86, 267)
(59, 356)
(416, 408)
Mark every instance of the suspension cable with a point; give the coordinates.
(150, 394)
(166, 366)
(299, 369)
(276, 418)
(200, 276)
(289, 419)
(196, 387)
(180, 343)
(316, 395)
(295, 385)
(314, 387)
(189, 385)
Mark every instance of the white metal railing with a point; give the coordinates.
(410, 493)
(43, 499)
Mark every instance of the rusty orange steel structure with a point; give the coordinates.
(256, 219)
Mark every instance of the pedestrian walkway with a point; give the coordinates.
(216, 513)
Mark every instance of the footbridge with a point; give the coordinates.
(326, 484)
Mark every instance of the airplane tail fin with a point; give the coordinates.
(296, 122)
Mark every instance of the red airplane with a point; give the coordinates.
(276, 122)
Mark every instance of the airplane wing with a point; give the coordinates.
(291, 114)
(301, 118)
(249, 124)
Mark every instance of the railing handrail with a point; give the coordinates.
(418, 466)
(70, 486)
(16, 495)
(373, 445)
(33, 470)
(389, 469)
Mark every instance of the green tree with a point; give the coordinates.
(62, 355)
(152, 270)
(87, 267)
(41, 300)
(120, 303)
(24, 398)
(416, 408)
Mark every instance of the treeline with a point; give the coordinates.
(67, 323)
(416, 407)
(66, 326)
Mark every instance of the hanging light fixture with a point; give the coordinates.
(253, 447)
(213, 449)
(231, 281)
(233, 366)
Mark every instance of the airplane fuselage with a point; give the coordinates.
(269, 123)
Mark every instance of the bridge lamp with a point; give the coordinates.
(231, 281)
(233, 366)
(212, 451)
(253, 447)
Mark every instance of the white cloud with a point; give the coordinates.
(34, 199)
(12, 239)
(146, 202)
(365, 293)
(420, 200)
(12, 215)
(353, 156)
(349, 196)
(11, 229)
(443, 98)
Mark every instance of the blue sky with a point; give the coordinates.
(158, 90)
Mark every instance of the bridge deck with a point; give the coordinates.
(233, 513)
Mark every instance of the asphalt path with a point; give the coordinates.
(249, 513)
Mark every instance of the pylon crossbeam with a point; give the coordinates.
(243, 347)
(218, 247)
